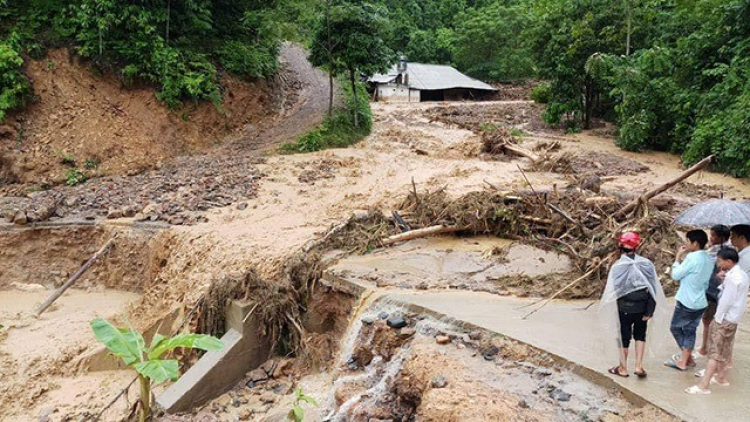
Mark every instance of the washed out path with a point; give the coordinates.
(564, 329)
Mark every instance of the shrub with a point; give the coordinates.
(542, 93)
(338, 131)
(75, 177)
(14, 87)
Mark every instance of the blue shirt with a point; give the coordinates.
(693, 274)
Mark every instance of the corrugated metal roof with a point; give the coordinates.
(432, 77)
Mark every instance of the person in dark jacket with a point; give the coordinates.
(634, 286)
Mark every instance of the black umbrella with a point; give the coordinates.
(715, 211)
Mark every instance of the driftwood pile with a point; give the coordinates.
(581, 224)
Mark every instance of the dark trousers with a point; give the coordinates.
(632, 326)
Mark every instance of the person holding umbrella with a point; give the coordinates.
(740, 237)
(631, 298)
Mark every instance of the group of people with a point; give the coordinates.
(713, 273)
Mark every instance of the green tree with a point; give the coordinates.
(351, 39)
(489, 42)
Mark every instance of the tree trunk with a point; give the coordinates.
(630, 26)
(169, 13)
(330, 60)
(330, 93)
(355, 109)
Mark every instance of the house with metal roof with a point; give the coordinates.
(415, 82)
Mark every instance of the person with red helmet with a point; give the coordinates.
(630, 299)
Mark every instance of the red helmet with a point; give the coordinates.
(630, 240)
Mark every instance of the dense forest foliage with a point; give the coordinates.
(674, 75)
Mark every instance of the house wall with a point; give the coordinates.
(393, 93)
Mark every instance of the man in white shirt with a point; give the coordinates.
(740, 237)
(729, 311)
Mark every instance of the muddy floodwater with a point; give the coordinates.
(37, 354)
(475, 263)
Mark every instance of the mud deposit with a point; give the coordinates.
(475, 263)
(37, 355)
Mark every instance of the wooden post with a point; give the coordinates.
(75, 277)
(415, 234)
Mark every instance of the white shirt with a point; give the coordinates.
(745, 259)
(733, 298)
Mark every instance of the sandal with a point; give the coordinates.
(671, 363)
(641, 374)
(697, 390)
(615, 370)
(700, 373)
(676, 357)
(714, 381)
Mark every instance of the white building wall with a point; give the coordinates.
(392, 93)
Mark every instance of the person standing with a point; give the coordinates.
(740, 237)
(629, 302)
(692, 269)
(718, 238)
(731, 307)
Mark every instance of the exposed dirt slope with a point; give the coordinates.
(83, 116)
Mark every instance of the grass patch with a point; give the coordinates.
(337, 131)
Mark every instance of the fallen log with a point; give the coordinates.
(600, 200)
(75, 277)
(416, 234)
(520, 151)
(656, 191)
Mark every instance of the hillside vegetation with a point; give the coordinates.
(672, 74)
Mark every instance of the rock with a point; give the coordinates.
(559, 395)
(246, 415)
(28, 287)
(383, 315)
(492, 351)
(242, 206)
(269, 366)
(611, 417)
(440, 339)
(488, 358)
(113, 213)
(543, 371)
(368, 320)
(257, 375)
(407, 332)
(268, 397)
(139, 217)
(360, 215)
(476, 335)
(284, 367)
(396, 322)
(522, 404)
(20, 218)
(592, 183)
(438, 381)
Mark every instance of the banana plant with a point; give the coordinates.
(149, 361)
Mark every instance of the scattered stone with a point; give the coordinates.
(257, 375)
(476, 335)
(245, 415)
(560, 395)
(543, 371)
(267, 397)
(280, 389)
(396, 322)
(361, 215)
(113, 213)
(438, 381)
(492, 351)
(383, 315)
(488, 358)
(522, 404)
(269, 366)
(440, 339)
(407, 332)
(611, 417)
(242, 206)
(31, 287)
(44, 415)
(20, 218)
(368, 320)
(284, 367)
